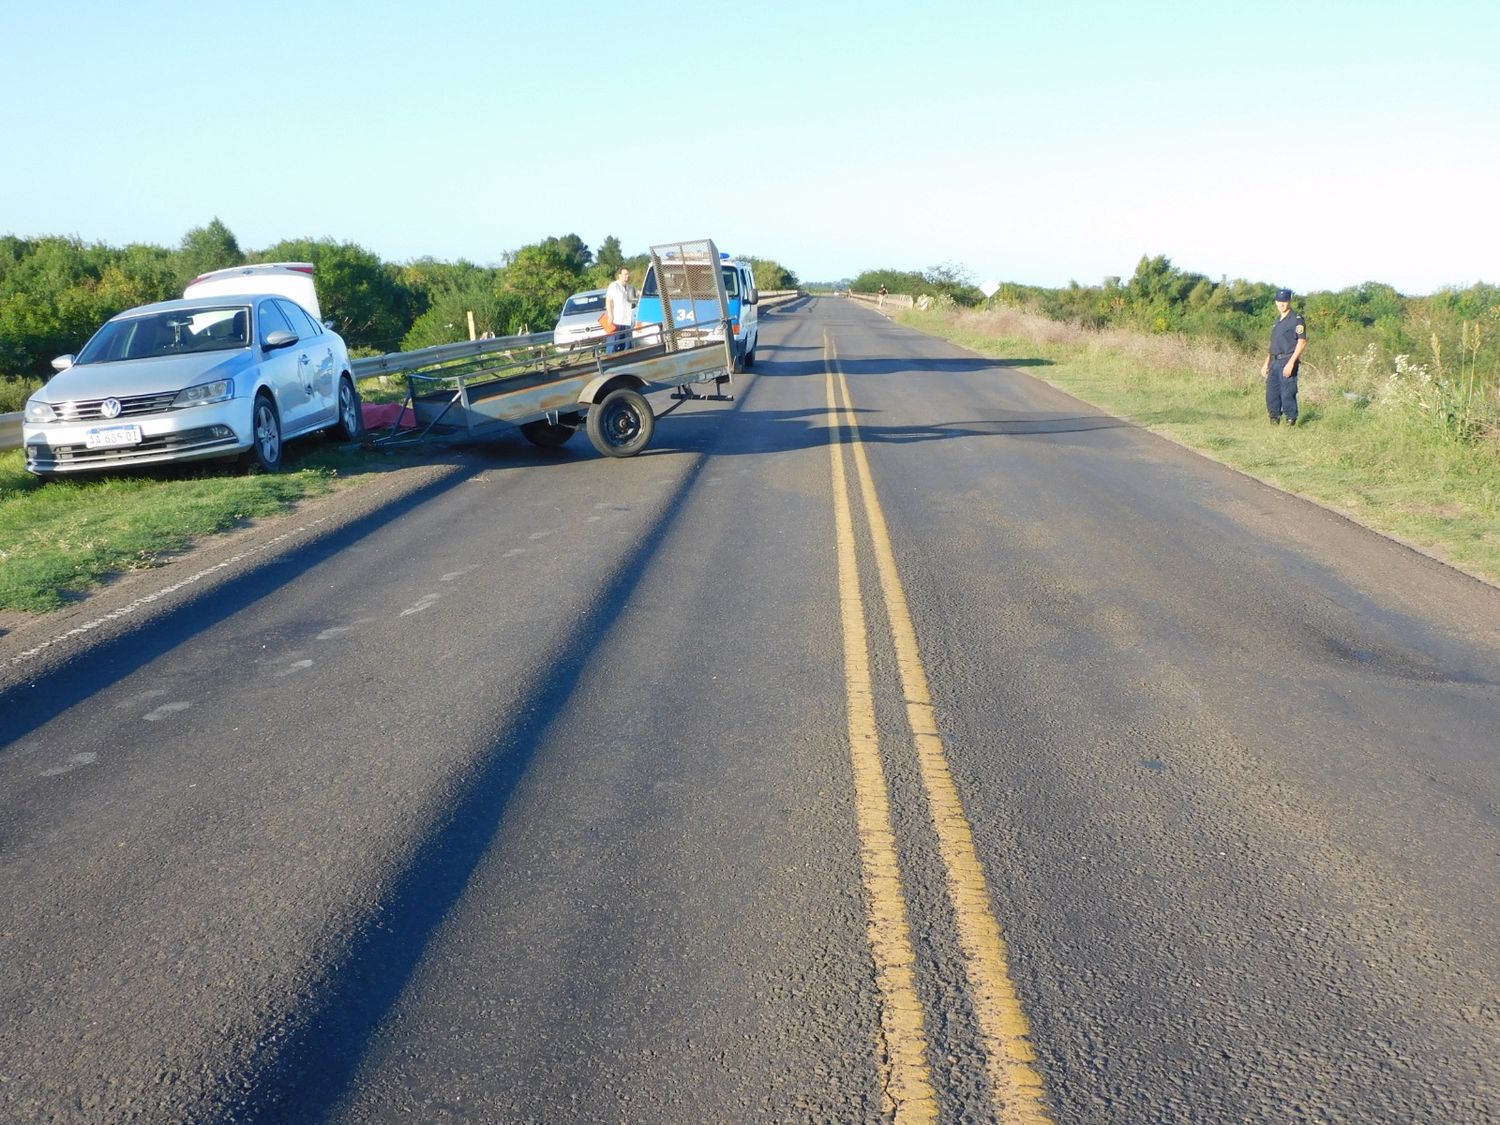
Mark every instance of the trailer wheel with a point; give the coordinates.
(547, 434)
(621, 424)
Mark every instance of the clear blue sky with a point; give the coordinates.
(1314, 145)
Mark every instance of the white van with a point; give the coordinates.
(293, 280)
(746, 319)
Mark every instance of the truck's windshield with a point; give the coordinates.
(679, 278)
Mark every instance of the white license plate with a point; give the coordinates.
(112, 435)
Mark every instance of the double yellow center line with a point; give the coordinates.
(1009, 1058)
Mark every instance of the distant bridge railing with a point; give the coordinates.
(886, 302)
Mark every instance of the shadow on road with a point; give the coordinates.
(305, 1076)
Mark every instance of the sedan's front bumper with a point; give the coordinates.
(219, 430)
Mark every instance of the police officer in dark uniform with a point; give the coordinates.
(1288, 342)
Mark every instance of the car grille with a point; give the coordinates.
(63, 457)
(91, 409)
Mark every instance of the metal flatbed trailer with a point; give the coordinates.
(470, 389)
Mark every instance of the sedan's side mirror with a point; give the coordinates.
(62, 363)
(280, 339)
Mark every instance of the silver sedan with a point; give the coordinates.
(192, 380)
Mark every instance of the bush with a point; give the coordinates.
(447, 320)
(1437, 355)
(945, 282)
(14, 391)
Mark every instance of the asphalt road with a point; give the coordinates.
(904, 739)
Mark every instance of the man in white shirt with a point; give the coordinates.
(620, 309)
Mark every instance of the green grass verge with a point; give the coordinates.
(64, 537)
(60, 539)
(1383, 465)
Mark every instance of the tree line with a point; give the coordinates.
(1370, 325)
(55, 292)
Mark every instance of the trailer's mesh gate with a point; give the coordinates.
(691, 284)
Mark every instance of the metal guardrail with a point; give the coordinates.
(10, 430)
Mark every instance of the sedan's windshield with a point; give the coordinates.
(584, 303)
(216, 329)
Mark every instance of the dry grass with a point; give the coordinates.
(1155, 353)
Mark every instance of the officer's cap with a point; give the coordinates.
(1284, 295)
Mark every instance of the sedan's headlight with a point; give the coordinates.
(39, 411)
(203, 393)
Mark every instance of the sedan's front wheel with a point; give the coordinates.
(265, 453)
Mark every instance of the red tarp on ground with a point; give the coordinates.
(382, 415)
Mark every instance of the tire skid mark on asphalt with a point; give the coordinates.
(426, 601)
(87, 758)
(1009, 1055)
(906, 1082)
(293, 668)
(335, 631)
(139, 698)
(165, 710)
(455, 575)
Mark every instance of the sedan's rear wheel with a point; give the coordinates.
(265, 453)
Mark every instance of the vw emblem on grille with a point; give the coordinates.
(110, 408)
